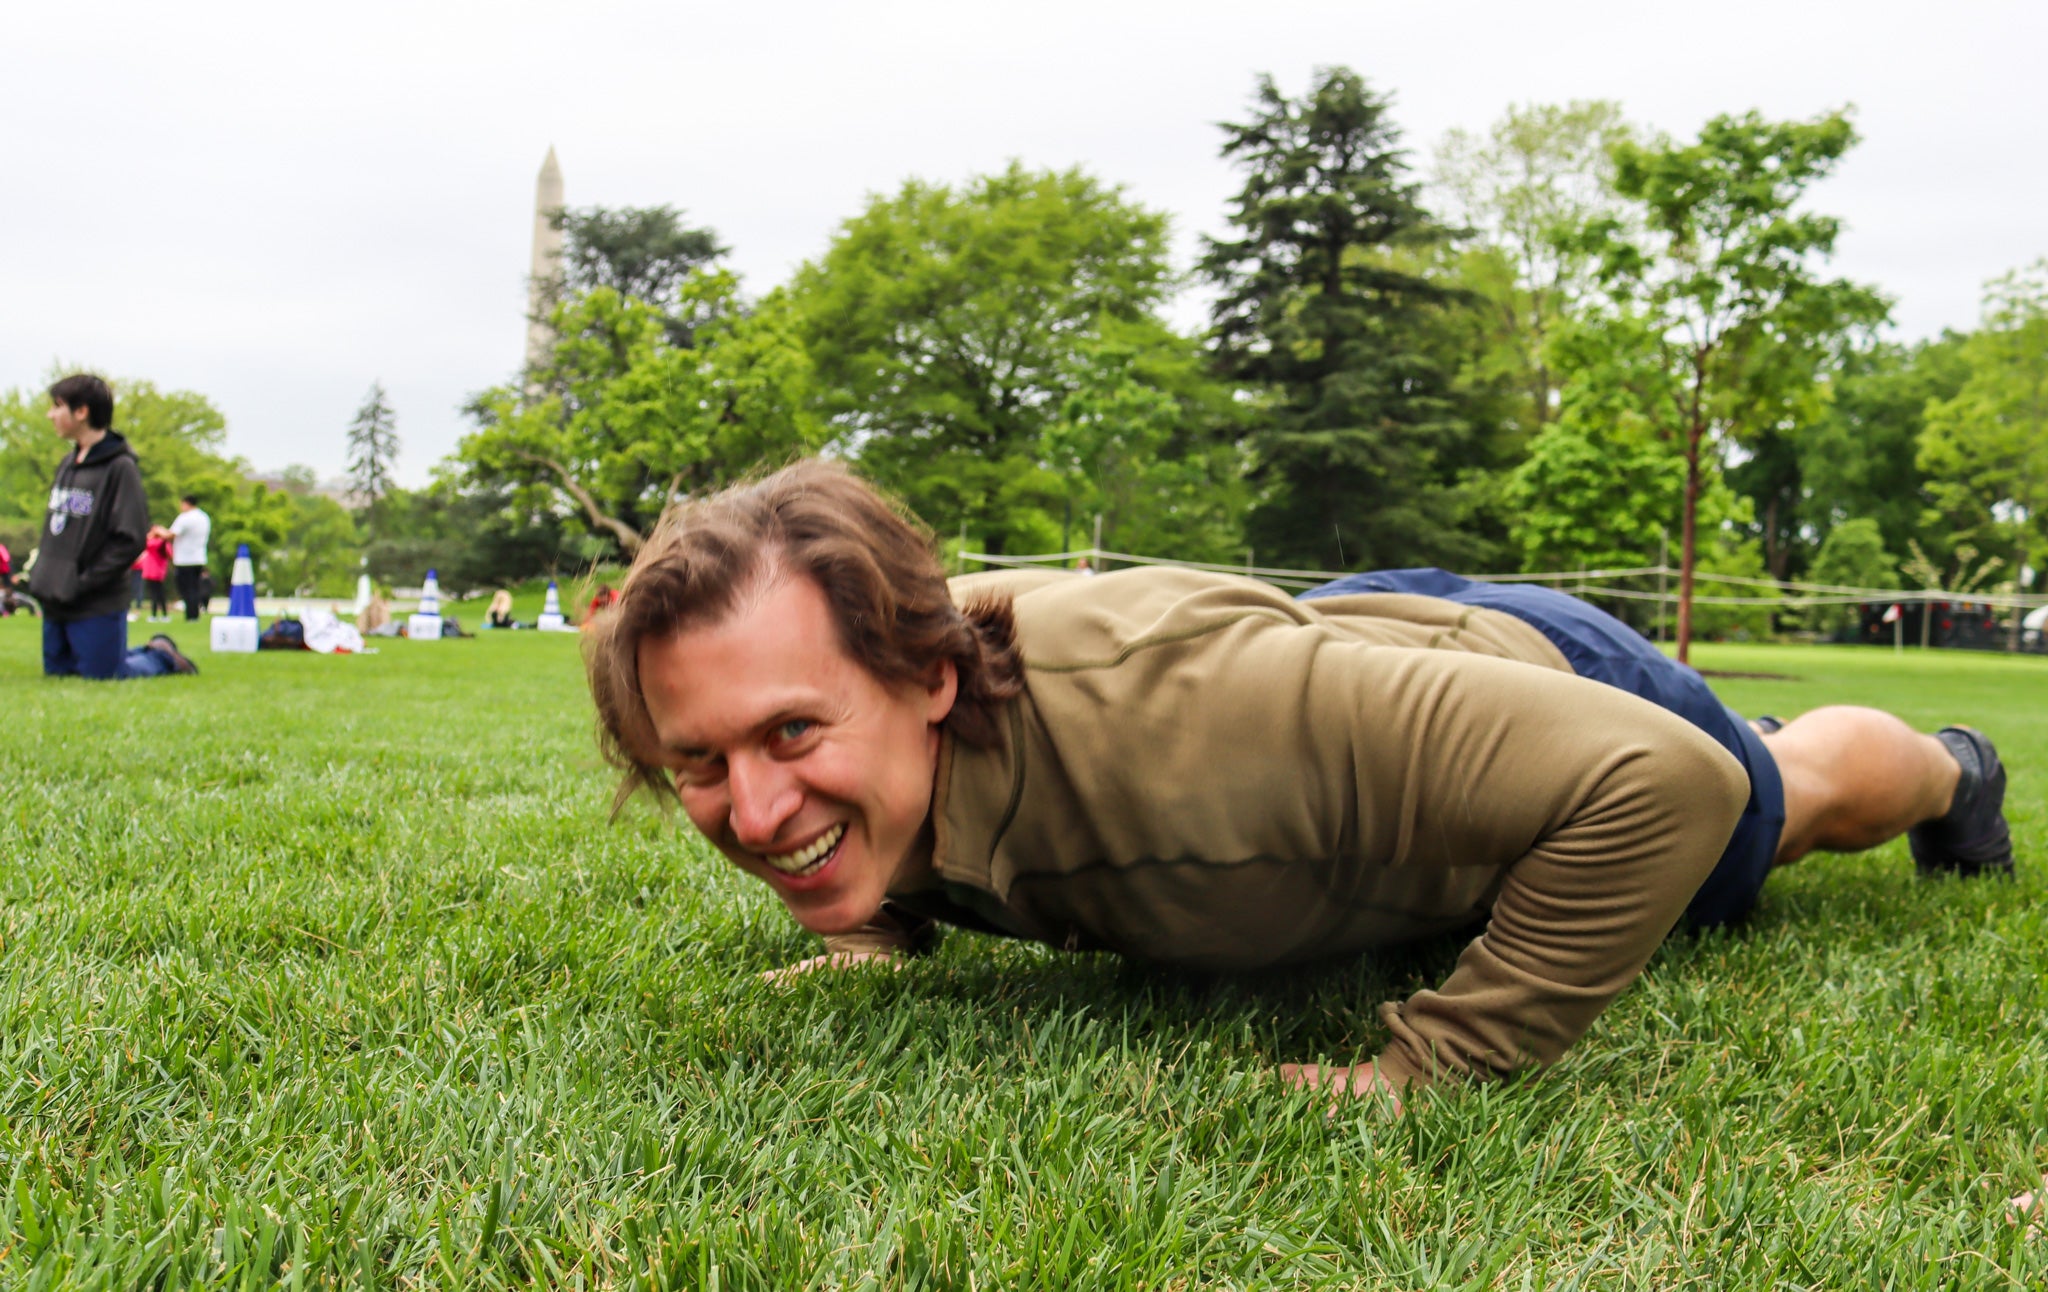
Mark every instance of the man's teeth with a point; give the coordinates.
(804, 860)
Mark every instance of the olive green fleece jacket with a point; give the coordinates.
(1205, 772)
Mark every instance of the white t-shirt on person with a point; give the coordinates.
(189, 533)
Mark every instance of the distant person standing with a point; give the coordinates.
(189, 533)
(11, 599)
(96, 526)
(156, 567)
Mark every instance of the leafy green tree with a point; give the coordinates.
(1724, 271)
(477, 535)
(1119, 451)
(313, 548)
(29, 450)
(1525, 191)
(372, 448)
(1359, 433)
(1586, 498)
(946, 322)
(1853, 555)
(1985, 448)
(179, 438)
(1589, 499)
(1860, 458)
(622, 421)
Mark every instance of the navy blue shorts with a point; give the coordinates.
(1601, 647)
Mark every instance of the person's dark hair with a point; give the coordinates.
(83, 390)
(874, 562)
(190, 500)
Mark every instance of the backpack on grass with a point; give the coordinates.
(283, 634)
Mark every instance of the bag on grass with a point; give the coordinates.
(283, 634)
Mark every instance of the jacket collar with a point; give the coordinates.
(111, 445)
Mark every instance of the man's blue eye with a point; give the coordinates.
(794, 728)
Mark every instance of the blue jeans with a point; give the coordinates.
(97, 648)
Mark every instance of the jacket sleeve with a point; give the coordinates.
(127, 513)
(1612, 812)
(893, 931)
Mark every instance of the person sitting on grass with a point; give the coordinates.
(499, 614)
(600, 601)
(376, 620)
(1194, 769)
(96, 526)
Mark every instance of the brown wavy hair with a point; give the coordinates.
(876, 564)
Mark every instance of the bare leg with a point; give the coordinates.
(1856, 778)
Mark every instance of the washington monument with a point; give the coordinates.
(546, 278)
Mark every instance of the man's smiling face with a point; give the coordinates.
(800, 765)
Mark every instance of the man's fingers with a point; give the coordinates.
(1341, 1082)
(2029, 1206)
(834, 960)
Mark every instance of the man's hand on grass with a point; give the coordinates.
(2031, 1208)
(832, 960)
(1342, 1083)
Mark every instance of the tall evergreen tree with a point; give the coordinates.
(1360, 431)
(372, 448)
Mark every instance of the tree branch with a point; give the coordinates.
(629, 538)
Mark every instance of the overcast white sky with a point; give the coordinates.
(276, 205)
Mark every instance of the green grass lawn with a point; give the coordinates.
(328, 972)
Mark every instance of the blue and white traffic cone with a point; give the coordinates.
(551, 620)
(242, 585)
(237, 630)
(426, 625)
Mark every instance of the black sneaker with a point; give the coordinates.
(164, 646)
(1767, 724)
(1972, 839)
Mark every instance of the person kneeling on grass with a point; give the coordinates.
(1195, 769)
(96, 526)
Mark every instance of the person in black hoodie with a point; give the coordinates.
(96, 527)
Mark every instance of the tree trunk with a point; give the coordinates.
(1688, 543)
(1774, 552)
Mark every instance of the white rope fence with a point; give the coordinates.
(1789, 595)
